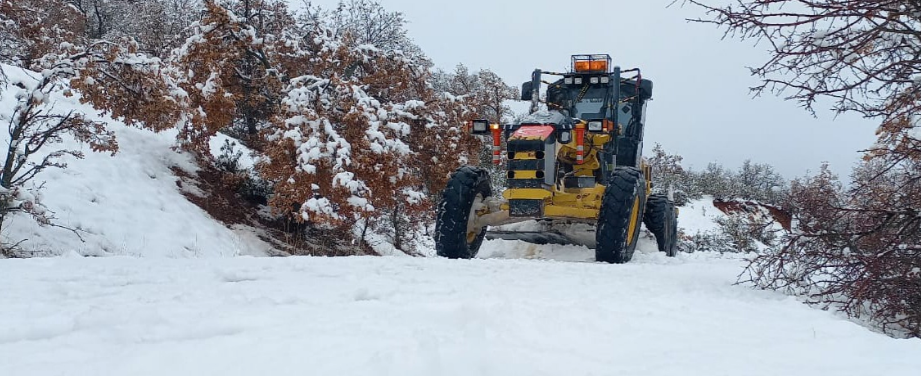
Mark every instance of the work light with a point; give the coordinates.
(565, 137)
(567, 80)
(480, 126)
(595, 126)
(605, 79)
(593, 80)
(578, 80)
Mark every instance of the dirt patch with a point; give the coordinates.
(751, 207)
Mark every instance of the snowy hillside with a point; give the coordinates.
(420, 316)
(128, 204)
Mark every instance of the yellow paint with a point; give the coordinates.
(593, 144)
(525, 155)
(634, 215)
(526, 194)
(569, 212)
(471, 236)
(525, 174)
(583, 198)
(647, 173)
(576, 203)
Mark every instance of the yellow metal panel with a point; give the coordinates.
(569, 212)
(525, 174)
(580, 198)
(526, 194)
(525, 155)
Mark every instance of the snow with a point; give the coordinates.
(420, 316)
(127, 204)
(699, 216)
(247, 159)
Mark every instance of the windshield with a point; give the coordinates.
(589, 106)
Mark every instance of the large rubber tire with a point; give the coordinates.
(661, 219)
(625, 190)
(452, 240)
(672, 249)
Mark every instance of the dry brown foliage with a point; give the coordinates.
(226, 72)
(30, 29)
(855, 249)
(364, 130)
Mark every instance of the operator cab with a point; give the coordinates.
(588, 92)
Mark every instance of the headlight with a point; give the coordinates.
(480, 126)
(567, 80)
(605, 79)
(593, 80)
(565, 137)
(578, 80)
(595, 126)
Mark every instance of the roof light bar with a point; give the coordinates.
(597, 63)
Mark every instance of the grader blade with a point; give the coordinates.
(536, 237)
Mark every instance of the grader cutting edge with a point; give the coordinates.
(577, 163)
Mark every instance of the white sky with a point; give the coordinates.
(701, 106)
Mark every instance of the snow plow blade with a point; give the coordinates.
(536, 237)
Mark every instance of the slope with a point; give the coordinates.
(127, 204)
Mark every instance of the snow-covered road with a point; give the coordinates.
(421, 316)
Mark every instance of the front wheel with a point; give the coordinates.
(457, 234)
(619, 218)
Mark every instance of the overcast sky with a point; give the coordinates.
(701, 107)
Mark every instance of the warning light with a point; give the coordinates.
(591, 63)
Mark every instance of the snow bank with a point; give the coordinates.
(128, 204)
(420, 316)
(699, 216)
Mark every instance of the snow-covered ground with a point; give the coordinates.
(127, 204)
(420, 316)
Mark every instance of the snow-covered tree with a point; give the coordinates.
(158, 26)
(29, 29)
(368, 22)
(226, 71)
(668, 174)
(357, 135)
(487, 95)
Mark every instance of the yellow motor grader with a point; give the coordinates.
(576, 163)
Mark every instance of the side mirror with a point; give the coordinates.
(646, 89)
(526, 91)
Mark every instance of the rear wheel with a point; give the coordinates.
(620, 216)
(661, 219)
(456, 232)
(672, 249)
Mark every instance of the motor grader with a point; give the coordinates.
(576, 162)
